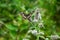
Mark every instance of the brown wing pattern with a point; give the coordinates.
(26, 16)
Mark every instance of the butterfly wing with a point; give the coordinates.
(23, 15)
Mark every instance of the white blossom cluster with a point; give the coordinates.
(37, 15)
(54, 37)
(38, 18)
(35, 32)
(41, 24)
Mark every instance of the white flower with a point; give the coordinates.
(39, 16)
(54, 37)
(25, 39)
(34, 32)
(35, 20)
(41, 25)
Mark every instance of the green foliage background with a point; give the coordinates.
(13, 27)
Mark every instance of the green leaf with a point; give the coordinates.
(26, 21)
(11, 27)
(13, 34)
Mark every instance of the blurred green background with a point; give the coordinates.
(13, 26)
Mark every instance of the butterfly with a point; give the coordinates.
(26, 16)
